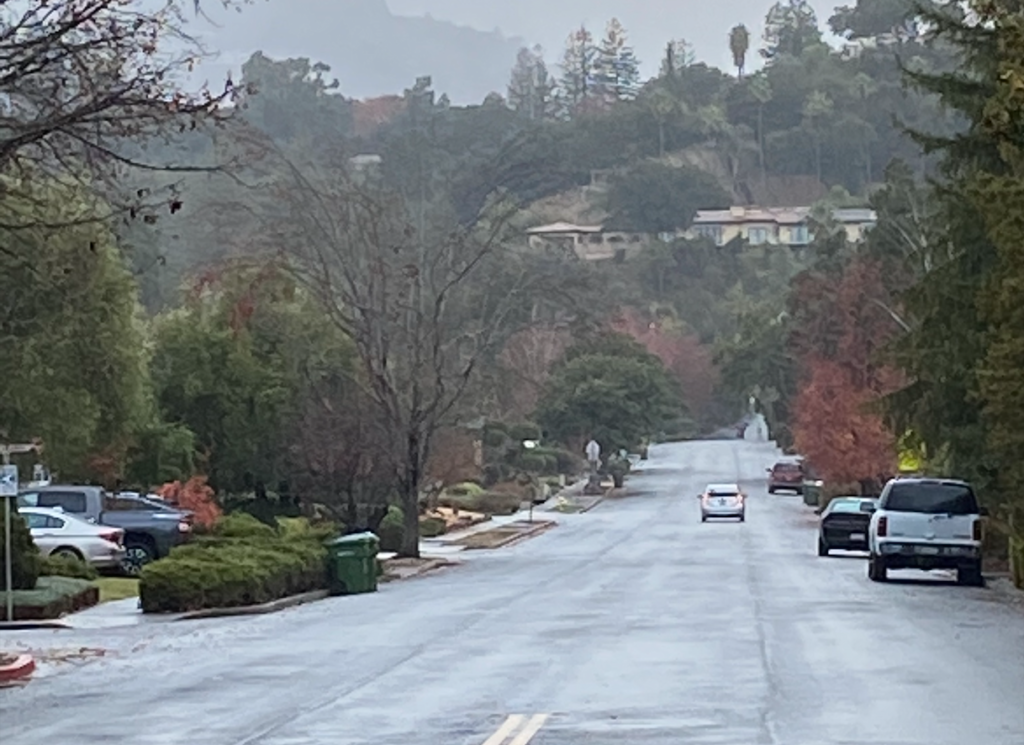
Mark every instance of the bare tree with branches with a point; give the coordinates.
(414, 292)
(84, 83)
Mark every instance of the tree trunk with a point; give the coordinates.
(661, 138)
(760, 150)
(411, 498)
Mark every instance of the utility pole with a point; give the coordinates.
(8, 492)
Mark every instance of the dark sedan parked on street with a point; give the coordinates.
(844, 524)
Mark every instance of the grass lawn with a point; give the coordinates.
(117, 588)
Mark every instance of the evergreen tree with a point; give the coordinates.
(998, 195)
(574, 85)
(790, 27)
(616, 68)
(679, 55)
(948, 342)
(530, 87)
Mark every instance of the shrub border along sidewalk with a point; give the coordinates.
(242, 563)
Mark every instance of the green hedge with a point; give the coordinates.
(392, 529)
(66, 566)
(52, 597)
(25, 557)
(242, 562)
(489, 503)
(431, 527)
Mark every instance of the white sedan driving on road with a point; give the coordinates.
(723, 500)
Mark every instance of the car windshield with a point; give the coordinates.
(933, 498)
(845, 505)
(787, 468)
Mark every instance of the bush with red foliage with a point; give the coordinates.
(683, 354)
(194, 495)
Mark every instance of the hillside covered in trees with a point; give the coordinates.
(252, 256)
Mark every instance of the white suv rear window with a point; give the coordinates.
(931, 498)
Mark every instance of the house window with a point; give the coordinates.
(757, 236)
(595, 238)
(714, 232)
(800, 235)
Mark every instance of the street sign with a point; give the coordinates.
(8, 481)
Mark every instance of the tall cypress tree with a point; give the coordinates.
(944, 352)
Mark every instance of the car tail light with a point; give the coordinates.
(114, 536)
(184, 526)
(977, 530)
(883, 526)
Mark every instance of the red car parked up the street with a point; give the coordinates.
(786, 476)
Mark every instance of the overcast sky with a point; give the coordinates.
(305, 27)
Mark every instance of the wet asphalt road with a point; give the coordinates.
(633, 624)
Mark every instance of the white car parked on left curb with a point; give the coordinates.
(57, 533)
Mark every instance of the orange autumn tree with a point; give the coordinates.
(837, 424)
(683, 354)
(196, 496)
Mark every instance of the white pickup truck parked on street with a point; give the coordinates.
(926, 523)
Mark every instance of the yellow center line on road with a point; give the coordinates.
(512, 725)
(532, 728)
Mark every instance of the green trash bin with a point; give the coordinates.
(353, 563)
(812, 489)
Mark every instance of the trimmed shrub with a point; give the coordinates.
(536, 463)
(300, 528)
(565, 461)
(491, 503)
(66, 566)
(53, 597)
(431, 527)
(466, 488)
(524, 431)
(233, 573)
(25, 556)
(392, 529)
(242, 525)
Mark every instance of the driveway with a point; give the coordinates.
(633, 624)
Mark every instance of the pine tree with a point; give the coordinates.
(998, 195)
(790, 27)
(616, 68)
(574, 85)
(948, 343)
(679, 55)
(530, 89)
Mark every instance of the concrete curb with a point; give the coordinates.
(537, 530)
(22, 667)
(33, 625)
(256, 610)
(428, 566)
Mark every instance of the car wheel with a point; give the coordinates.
(970, 576)
(703, 518)
(66, 552)
(822, 547)
(771, 489)
(877, 571)
(137, 554)
(743, 517)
